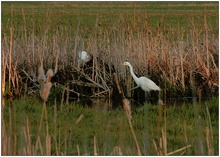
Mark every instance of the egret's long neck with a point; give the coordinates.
(133, 75)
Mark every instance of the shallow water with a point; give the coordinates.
(106, 104)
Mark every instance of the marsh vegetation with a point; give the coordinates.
(179, 52)
(76, 130)
(175, 44)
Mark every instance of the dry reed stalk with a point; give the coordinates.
(55, 126)
(65, 139)
(14, 136)
(6, 139)
(48, 145)
(10, 125)
(199, 150)
(15, 77)
(76, 41)
(164, 139)
(207, 46)
(95, 147)
(116, 151)
(159, 147)
(159, 120)
(4, 63)
(59, 142)
(118, 85)
(209, 147)
(209, 134)
(10, 57)
(39, 129)
(155, 146)
(162, 149)
(67, 93)
(127, 106)
(79, 119)
(164, 133)
(62, 99)
(24, 26)
(33, 43)
(56, 63)
(29, 145)
(78, 150)
(48, 137)
(38, 143)
(178, 150)
(182, 69)
(184, 131)
(100, 93)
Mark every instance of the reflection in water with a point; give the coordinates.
(103, 104)
(106, 104)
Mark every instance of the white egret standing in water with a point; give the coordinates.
(145, 83)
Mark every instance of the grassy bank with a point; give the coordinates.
(190, 129)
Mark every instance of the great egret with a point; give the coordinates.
(84, 56)
(145, 83)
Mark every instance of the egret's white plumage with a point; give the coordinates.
(84, 56)
(145, 83)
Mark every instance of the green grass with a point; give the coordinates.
(67, 13)
(111, 128)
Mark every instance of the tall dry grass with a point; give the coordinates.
(168, 55)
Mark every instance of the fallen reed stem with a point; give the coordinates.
(178, 150)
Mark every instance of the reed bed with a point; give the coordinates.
(172, 56)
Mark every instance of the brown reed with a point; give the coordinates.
(49, 75)
(45, 91)
(164, 53)
(161, 145)
(127, 108)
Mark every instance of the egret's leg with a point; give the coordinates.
(133, 88)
